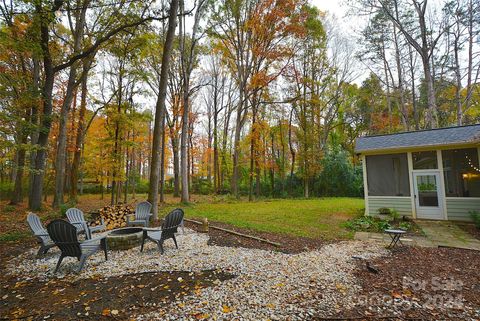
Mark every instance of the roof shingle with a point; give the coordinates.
(421, 138)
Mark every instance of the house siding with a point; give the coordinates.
(402, 204)
(458, 208)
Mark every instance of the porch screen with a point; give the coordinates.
(387, 175)
(462, 172)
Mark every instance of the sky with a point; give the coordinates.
(339, 9)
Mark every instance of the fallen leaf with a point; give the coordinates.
(226, 309)
(202, 316)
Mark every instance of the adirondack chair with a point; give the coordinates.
(142, 215)
(40, 232)
(76, 217)
(64, 235)
(169, 227)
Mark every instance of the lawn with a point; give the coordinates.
(315, 218)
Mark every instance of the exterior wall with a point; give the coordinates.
(458, 207)
(402, 204)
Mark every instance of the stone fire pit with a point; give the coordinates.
(124, 238)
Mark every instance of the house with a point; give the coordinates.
(426, 174)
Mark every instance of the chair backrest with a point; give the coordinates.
(142, 210)
(36, 226)
(64, 235)
(172, 221)
(75, 215)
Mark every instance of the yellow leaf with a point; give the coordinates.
(226, 309)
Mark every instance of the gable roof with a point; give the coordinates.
(421, 138)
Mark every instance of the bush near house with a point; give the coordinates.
(476, 218)
(378, 224)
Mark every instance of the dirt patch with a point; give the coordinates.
(425, 283)
(290, 244)
(471, 229)
(116, 297)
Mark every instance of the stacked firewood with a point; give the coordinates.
(115, 216)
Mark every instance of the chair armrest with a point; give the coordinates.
(77, 222)
(41, 234)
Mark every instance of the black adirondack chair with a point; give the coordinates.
(169, 227)
(64, 235)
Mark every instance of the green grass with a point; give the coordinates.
(315, 218)
(13, 236)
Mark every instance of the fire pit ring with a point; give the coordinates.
(125, 238)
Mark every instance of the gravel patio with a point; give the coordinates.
(264, 285)
(225, 277)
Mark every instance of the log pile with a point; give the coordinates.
(115, 216)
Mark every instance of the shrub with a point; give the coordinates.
(476, 218)
(9, 209)
(405, 225)
(368, 224)
(394, 215)
(384, 211)
(64, 207)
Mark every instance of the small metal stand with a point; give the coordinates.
(395, 236)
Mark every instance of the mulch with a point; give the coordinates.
(113, 298)
(420, 283)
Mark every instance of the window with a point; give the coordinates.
(425, 160)
(461, 172)
(387, 175)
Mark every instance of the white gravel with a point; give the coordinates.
(268, 285)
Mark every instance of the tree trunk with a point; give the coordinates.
(17, 196)
(292, 151)
(252, 152)
(81, 132)
(35, 200)
(60, 159)
(236, 147)
(176, 166)
(162, 164)
(401, 94)
(160, 109)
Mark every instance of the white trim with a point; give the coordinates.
(442, 183)
(389, 196)
(462, 198)
(430, 210)
(365, 183)
(426, 170)
(410, 180)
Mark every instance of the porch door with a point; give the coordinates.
(428, 195)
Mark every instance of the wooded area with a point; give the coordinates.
(247, 97)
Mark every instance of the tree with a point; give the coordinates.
(160, 110)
